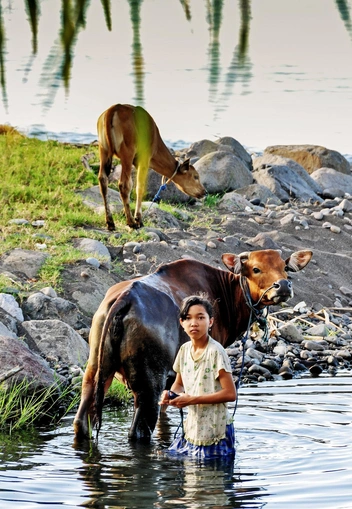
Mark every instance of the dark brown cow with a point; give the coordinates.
(130, 133)
(136, 331)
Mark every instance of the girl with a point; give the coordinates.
(204, 384)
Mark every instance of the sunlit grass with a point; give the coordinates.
(118, 394)
(21, 406)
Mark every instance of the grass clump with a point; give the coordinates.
(118, 394)
(21, 406)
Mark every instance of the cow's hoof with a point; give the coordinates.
(80, 429)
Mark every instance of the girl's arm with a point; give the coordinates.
(226, 393)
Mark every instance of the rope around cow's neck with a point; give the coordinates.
(258, 316)
(157, 198)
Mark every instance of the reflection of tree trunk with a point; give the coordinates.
(137, 57)
(2, 63)
(344, 10)
(32, 9)
(214, 19)
(187, 8)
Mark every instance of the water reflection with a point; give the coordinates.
(59, 62)
(137, 56)
(293, 450)
(344, 11)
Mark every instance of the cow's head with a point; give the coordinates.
(266, 273)
(187, 180)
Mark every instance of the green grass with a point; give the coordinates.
(39, 181)
(21, 407)
(118, 394)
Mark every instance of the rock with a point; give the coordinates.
(233, 201)
(237, 149)
(328, 178)
(15, 353)
(223, 171)
(318, 330)
(314, 345)
(92, 198)
(201, 148)
(56, 339)
(10, 305)
(262, 193)
(315, 370)
(285, 182)
(312, 157)
(39, 306)
(95, 248)
(290, 333)
(23, 262)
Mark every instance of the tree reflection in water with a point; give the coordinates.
(58, 66)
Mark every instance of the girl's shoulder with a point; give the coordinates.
(215, 345)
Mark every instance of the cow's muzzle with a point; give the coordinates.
(280, 291)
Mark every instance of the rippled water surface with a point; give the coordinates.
(293, 451)
(265, 72)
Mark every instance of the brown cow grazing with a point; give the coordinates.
(130, 133)
(136, 331)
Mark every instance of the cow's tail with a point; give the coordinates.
(100, 377)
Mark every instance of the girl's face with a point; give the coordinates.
(197, 322)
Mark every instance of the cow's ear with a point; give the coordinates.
(184, 166)
(234, 262)
(298, 260)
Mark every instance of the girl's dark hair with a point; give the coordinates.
(195, 300)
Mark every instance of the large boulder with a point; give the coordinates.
(267, 161)
(327, 178)
(16, 354)
(312, 157)
(285, 183)
(86, 286)
(202, 148)
(222, 171)
(56, 339)
(39, 306)
(237, 149)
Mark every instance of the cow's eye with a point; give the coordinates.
(256, 270)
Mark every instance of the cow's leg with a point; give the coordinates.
(147, 387)
(125, 187)
(104, 171)
(142, 174)
(81, 420)
(86, 411)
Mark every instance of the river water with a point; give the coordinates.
(293, 451)
(265, 72)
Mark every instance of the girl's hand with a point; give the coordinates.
(164, 399)
(181, 401)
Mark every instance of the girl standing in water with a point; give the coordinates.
(204, 384)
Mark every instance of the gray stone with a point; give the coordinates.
(15, 353)
(328, 177)
(56, 339)
(10, 305)
(23, 262)
(290, 333)
(312, 157)
(285, 183)
(223, 171)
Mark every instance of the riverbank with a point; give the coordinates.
(58, 260)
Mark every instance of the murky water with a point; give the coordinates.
(293, 451)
